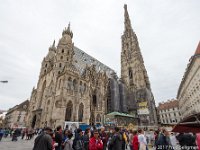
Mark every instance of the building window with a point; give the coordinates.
(63, 50)
(130, 74)
(60, 65)
(61, 57)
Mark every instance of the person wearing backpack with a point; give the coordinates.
(78, 143)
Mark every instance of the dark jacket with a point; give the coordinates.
(163, 143)
(43, 142)
(86, 141)
(58, 139)
(116, 142)
(78, 143)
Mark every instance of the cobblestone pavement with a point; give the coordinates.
(7, 144)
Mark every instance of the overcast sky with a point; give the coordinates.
(168, 32)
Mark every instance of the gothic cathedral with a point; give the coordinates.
(74, 86)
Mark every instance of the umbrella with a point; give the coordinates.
(189, 124)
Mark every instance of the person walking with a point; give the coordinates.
(104, 137)
(116, 141)
(163, 140)
(86, 139)
(1, 133)
(142, 140)
(131, 139)
(58, 138)
(44, 140)
(68, 142)
(78, 141)
(95, 142)
(135, 141)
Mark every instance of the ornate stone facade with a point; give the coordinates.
(74, 86)
(189, 89)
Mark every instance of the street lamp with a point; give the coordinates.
(5, 81)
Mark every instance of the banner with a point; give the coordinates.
(143, 111)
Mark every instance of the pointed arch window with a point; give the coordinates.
(130, 73)
(42, 92)
(63, 50)
(69, 83)
(80, 112)
(61, 57)
(98, 118)
(60, 65)
(75, 84)
(69, 110)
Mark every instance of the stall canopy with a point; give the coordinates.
(189, 124)
(120, 114)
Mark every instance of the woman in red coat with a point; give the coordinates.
(135, 142)
(95, 142)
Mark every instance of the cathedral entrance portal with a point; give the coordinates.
(34, 121)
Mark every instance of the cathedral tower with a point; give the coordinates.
(134, 75)
(65, 50)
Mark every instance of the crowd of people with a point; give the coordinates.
(114, 139)
(100, 139)
(14, 133)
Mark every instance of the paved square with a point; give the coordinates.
(7, 144)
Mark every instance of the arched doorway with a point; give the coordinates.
(80, 112)
(33, 121)
(69, 110)
(94, 100)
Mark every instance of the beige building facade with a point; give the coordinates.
(169, 112)
(17, 116)
(189, 89)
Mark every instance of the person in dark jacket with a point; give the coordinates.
(58, 138)
(116, 141)
(104, 137)
(78, 141)
(44, 140)
(186, 140)
(86, 138)
(163, 142)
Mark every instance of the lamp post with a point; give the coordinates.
(4, 81)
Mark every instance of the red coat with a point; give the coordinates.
(95, 144)
(135, 142)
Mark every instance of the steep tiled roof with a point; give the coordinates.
(167, 105)
(82, 59)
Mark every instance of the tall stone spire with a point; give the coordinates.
(133, 71)
(134, 75)
(127, 22)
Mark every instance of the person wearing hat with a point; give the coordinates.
(44, 140)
